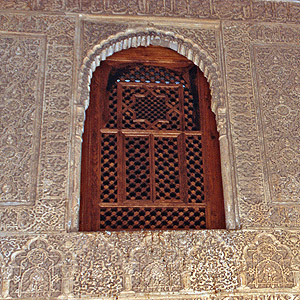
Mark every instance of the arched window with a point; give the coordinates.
(150, 154)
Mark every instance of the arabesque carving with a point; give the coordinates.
(20, 95)
(214, 265)
(38, 138)
(268, 10)
(264, 143)
(252, 63)
(156, 266)
(99, 269)
(36, 271)
(169, 263)
(268, 263)
(278, 89)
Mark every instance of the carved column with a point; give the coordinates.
(232, 221)
(4, 292)
(127, 282)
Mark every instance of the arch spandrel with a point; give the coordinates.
(184, 46)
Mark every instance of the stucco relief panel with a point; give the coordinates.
(37, 74)
(269, 10)
(36, 271)
(21, 71)
(211, 260)
(129, 265)
(268, 263)
(262, 80)
(278, 91)
(99, 268)
(156, 265)
(249, 169)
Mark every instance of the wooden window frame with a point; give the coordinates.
(96, 114)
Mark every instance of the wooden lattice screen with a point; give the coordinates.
(150, 150)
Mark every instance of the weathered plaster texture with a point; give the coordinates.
(249, 50)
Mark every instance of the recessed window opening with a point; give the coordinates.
(150, 153)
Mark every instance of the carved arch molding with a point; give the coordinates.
(186, 44)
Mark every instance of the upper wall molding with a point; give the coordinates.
(271, 11)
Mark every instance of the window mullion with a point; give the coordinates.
(152, 168)
(121, 157)
(182, 168)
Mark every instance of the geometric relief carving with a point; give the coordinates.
(277, 69)
(268, 263)
(156, 266)
(36, 271)
(21, 60)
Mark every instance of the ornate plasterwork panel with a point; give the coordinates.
(260, 59)
(268, 263)
(277, 79)
(262, 139)
(36, 271)
(99, 268)
(212, 259)
(157, 265)
(274, 10)
(21, 78)
(42, 68)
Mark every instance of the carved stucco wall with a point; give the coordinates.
(249, 51)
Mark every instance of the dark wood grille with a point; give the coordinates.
(109, 166)
(145, 163)
(150, 106)
(137, 168)
(120, 218)
(167, 184)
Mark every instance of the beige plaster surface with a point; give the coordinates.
(249, 51)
